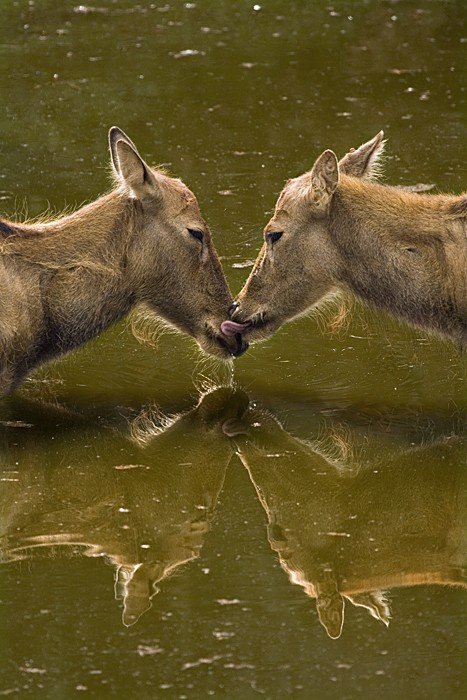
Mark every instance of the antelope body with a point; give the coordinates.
(65, 281)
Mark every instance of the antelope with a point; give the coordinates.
(144, 243)
(334, 230)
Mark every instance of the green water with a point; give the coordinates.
(334, 464)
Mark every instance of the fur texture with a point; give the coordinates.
(398, 251)
(65, 281)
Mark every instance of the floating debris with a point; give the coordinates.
(201, 662)
(245, 263)
(86, 9)
(221, 634)
(121, 467)
(186, 53)
(32, 669)
(137, 9)
(404, 71)
(147, 650)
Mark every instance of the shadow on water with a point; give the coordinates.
(351, 516)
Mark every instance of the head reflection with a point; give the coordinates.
(147, 517)
(350, 525)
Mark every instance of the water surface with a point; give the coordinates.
(282, 520)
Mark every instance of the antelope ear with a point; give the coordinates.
(376, 604)
(364, 161)
(324, 178)
(130, 169)
(330, 610)
(137, 591)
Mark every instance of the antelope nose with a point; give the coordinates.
(232, 308)
(242, 346)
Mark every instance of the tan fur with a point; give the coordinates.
(64, 281)
(400, 252)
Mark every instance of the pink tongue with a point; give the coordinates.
(231, 328)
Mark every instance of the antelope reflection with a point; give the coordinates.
(347, 526)
(147, 518)
(351, 532)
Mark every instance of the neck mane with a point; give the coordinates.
(71, 277)
(403, 252)
(84, 237)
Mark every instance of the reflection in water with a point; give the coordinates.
(348, 530)
(146, 518)
(345, 528)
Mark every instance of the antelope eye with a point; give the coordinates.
(274, 237)
(199, 235)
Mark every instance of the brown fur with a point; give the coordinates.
(65, 281)
(401, 252)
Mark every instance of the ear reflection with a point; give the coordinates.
(147, 515)
(350, 518)
(349, 525)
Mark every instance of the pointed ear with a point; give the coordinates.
(138, 590)
(376, 604)
(324, 178)
(363, 162)
(129, 167)
(122, 575)
(331, 613)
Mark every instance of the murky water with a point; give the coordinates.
(161, 536)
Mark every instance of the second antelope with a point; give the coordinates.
(333, 230)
